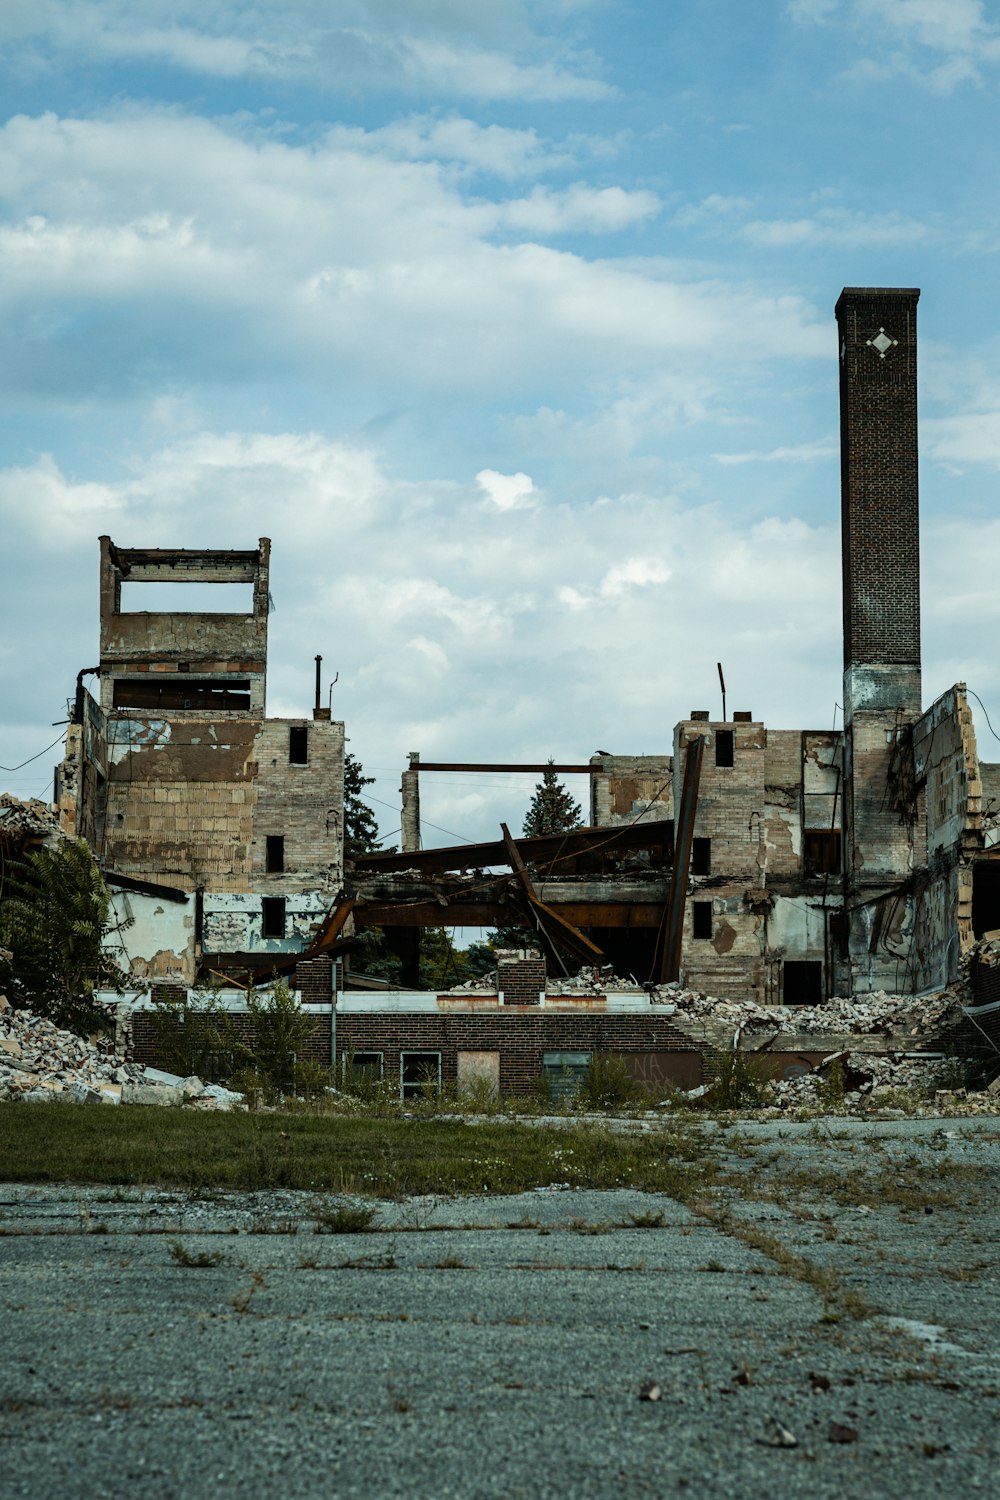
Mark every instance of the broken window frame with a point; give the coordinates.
(429, 1075)
(353, 1070)
(274, 854)
(821, 851)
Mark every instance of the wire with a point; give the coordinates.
(462, 838)
(986, 716)
(57, 741)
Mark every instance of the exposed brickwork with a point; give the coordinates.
(520, 977)
(314, 980)
(878, 415)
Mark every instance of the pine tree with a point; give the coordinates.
(552, 808)
(360, 823)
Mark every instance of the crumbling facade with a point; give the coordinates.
(806, 864)
(219, 829)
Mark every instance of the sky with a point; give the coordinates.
(511, 324)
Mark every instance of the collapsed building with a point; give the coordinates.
(218, 829)
(779, 867)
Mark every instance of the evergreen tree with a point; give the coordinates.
(360, 823)
(552, 808)
(54, 918)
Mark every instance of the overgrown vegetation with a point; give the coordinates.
(348, 1156)
(262, 1059)
(55, 914)
(737, 1080)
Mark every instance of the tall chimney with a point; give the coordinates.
(879, 510)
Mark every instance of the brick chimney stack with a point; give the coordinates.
(879, 509)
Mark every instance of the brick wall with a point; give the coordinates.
(878, 414)
(520, 976)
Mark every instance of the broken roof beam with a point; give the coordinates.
(534, 768)
(559, 933)
(548, 849)
(670, 966)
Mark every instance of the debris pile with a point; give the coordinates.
(22, 822)
(872, 1080)
(875, 1014)
(40, 1062)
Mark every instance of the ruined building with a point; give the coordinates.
(784, 866)
(219, 830)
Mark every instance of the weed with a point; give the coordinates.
(382, 1261)
(830, 1090)
(453, 1263)
(736, 1080)
(649, 1219)
(193, 1259)
(608, 1084)
(241, 1302)
(343, 1218)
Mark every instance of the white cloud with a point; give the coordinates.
(507, 491)
(942, 42)
(596, 210)
(456, 47)
(800, 453)
(332, 263)
(968, 438)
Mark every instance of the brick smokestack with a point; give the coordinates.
(879, 509)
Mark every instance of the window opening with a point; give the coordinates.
(274, 860)
(701, 857)
(802, 982)
(565, 1072)
(298, 745)
(724, 747)
(821, 851)
(273, 916)
(419, 1074)
(701, 919)
(362, 1067)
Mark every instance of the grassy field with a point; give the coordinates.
(384, 1157)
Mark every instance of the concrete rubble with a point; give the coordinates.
(875, 1014)
(24, 821)
(40, 1062)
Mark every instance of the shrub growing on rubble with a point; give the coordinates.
(55, 914)
(736, 1081)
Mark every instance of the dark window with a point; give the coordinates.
(213, 693)
(362, 1067)
(701, 857)
(723, 747)
(298, 745)
(701, 919)
(273, 916)
(419, 1074)
(275, 857)
(803, 982)
(821, 851)
(985, 897)
(565, 1072)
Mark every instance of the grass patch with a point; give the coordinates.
(83, 1143)
(194, 1259)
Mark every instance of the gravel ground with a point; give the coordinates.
(837, 1290)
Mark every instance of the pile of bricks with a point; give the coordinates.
(39, 1062)
(875, 1014)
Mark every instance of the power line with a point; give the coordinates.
(58, 740)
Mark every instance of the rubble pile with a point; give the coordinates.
(40, 1062)
(880, 1081)
(875, 1014)
(23, 821)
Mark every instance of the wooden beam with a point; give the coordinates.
(506, 768)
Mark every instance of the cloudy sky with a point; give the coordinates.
(512, 325)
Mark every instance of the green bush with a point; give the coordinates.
(736, 1080)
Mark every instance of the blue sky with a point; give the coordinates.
(512, 325)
